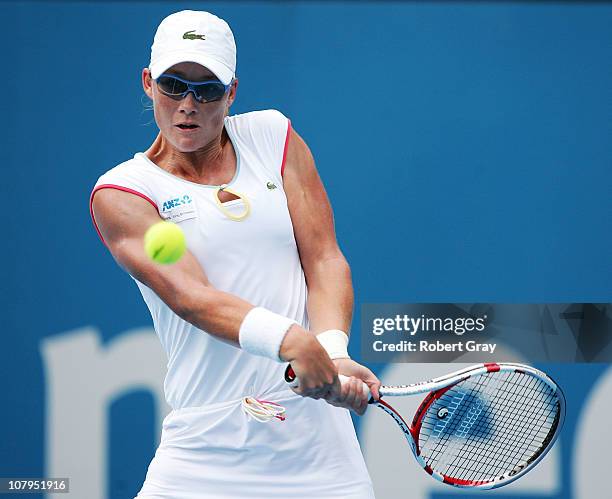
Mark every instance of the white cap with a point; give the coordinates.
(194, 36)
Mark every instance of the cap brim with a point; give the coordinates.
(220, 70)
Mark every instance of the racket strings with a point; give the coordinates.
(468, 416)
(505, 449)
(497, 447)
(511, 447)
(495, 422)
(506, 452)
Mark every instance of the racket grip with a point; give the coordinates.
(293, 382)
(366, 389)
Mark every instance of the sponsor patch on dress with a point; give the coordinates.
(178, 209)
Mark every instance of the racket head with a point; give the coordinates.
(489, 427)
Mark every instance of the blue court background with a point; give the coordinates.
(466, 148)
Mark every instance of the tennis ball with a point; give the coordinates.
(164, 242)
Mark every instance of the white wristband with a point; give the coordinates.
(335, 342)
(262, 332)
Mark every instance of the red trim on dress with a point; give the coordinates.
(119, 188)
(286, 147)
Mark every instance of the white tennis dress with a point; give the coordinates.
(210, 447)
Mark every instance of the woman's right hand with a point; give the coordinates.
(311, 363)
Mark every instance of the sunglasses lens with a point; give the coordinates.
(211, 91)
(206, 92)
(171, 86)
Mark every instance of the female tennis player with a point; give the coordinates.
(262, 284)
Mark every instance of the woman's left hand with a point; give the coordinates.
(352, 396)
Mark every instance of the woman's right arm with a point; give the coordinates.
(123, 219)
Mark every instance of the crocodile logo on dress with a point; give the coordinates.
(270, 185)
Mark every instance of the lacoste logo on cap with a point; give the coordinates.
(270, 185)
(191, 35)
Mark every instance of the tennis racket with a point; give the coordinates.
(481, 427)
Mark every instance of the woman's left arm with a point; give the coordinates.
(328, 275)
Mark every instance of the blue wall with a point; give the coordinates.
(466, 148)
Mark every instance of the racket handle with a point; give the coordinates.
(293, 382)
(366, 389)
